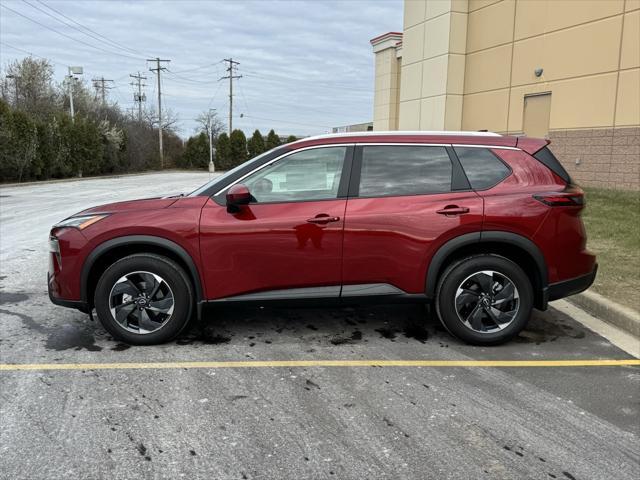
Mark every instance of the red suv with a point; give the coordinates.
(484, 226)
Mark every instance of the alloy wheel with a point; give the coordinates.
(487, 301)
(141, 302)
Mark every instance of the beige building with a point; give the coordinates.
(564, 69)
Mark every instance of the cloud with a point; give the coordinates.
(305, 65)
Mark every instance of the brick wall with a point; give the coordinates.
(604, 157)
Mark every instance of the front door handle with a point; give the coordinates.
(453, 210)
(323, 219)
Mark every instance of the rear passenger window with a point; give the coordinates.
(482, 167)
(404, 170)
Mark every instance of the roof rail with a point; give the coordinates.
(400, 132)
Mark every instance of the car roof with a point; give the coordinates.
(433, 137)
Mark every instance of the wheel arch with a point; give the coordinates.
(515, 247)
(107, 252)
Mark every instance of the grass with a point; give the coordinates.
(612, 220)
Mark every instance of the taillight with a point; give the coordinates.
(572, 196)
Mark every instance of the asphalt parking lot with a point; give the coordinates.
(301, 393)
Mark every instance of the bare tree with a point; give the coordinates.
(209, 123)
(169, 118)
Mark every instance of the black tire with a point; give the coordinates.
(173, 276)
(463, 272)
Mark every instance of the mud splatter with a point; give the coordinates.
(71, 337)
(417, 332)
(204, 336)
(387, 332)
(540, 330)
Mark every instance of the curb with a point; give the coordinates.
(99, 177)
(601, 307)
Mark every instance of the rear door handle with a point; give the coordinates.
(453, 210)
(323, 219)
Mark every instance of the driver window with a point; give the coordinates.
(308, 175)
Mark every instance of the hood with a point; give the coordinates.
(131, 205)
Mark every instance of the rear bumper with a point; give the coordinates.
(572, 286)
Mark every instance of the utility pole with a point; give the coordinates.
(158, 69)
(70, 78)
(212, 167)
(100, 85)
(231, 76)
(139, 97)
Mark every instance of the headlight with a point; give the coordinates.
(80, 222)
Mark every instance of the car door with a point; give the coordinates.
(287, 243)
(405, 201)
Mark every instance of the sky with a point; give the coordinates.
(306, 66)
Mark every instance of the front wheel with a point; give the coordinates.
(144, 299)
(484, 299)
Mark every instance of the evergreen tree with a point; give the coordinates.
(255, 145)
(223, 152)
(291, 138)
(272, 140)
(196, 152)
(238, 147)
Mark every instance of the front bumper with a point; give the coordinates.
(78, 304)
(571, 287)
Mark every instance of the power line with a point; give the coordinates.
(244, 98)
(172, 74)
(288, 81)
(114, 43)
(67, 36)
(199, 68)
(69, 25)
(214, 95)
(32, 54)
(231, 69)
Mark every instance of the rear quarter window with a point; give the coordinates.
(483, 169)
(548, 159)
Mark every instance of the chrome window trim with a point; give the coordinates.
(284, 155)
(492, 147)
(362, 144)
(401, 144)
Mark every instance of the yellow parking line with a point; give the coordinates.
(320, 363)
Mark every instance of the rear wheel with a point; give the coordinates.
(484, 299)
(144, 299)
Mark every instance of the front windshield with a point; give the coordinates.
(228, 173)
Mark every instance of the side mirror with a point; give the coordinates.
(237, 196)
